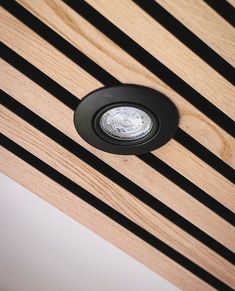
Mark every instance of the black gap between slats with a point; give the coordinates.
(83, 154)
(204, 154)
(224, 9)
(188, 186)
(57, 41)
(111, 213)
(54, 88)
(168, 21)
(100, 74)
(152, 64)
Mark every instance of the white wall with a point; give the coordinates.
(42, 249)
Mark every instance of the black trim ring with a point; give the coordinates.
(161, 110)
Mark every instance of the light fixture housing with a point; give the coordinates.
(126, 119)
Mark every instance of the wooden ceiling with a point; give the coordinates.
(171, 209)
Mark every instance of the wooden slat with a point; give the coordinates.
(52, 110)
(187, 165)
(171, 52)
(206, 24)
(68, 203)
(232, 2)
(57, 66)
(69, 165)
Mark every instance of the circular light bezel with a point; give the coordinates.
(153, 101)
(113, 140)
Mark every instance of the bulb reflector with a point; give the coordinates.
(126, 123)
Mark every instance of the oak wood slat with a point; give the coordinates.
(52, 110)
(232, 2)
(69, 165)
(87, 215)
(194, 169)
(160, 43)
(116, 61)
(206, 24)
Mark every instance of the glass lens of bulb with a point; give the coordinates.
(126, 123)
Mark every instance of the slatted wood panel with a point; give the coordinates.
(172, 209)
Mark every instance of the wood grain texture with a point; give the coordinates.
(181, 60)
(116, 61)
(206, 24)
(71, 205)
(51, 62)
(211, 28)
(56, 113)
(182, 160)
(69, 165)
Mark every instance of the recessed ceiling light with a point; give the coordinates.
(126, 119)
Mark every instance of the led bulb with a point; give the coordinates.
(126, 123)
